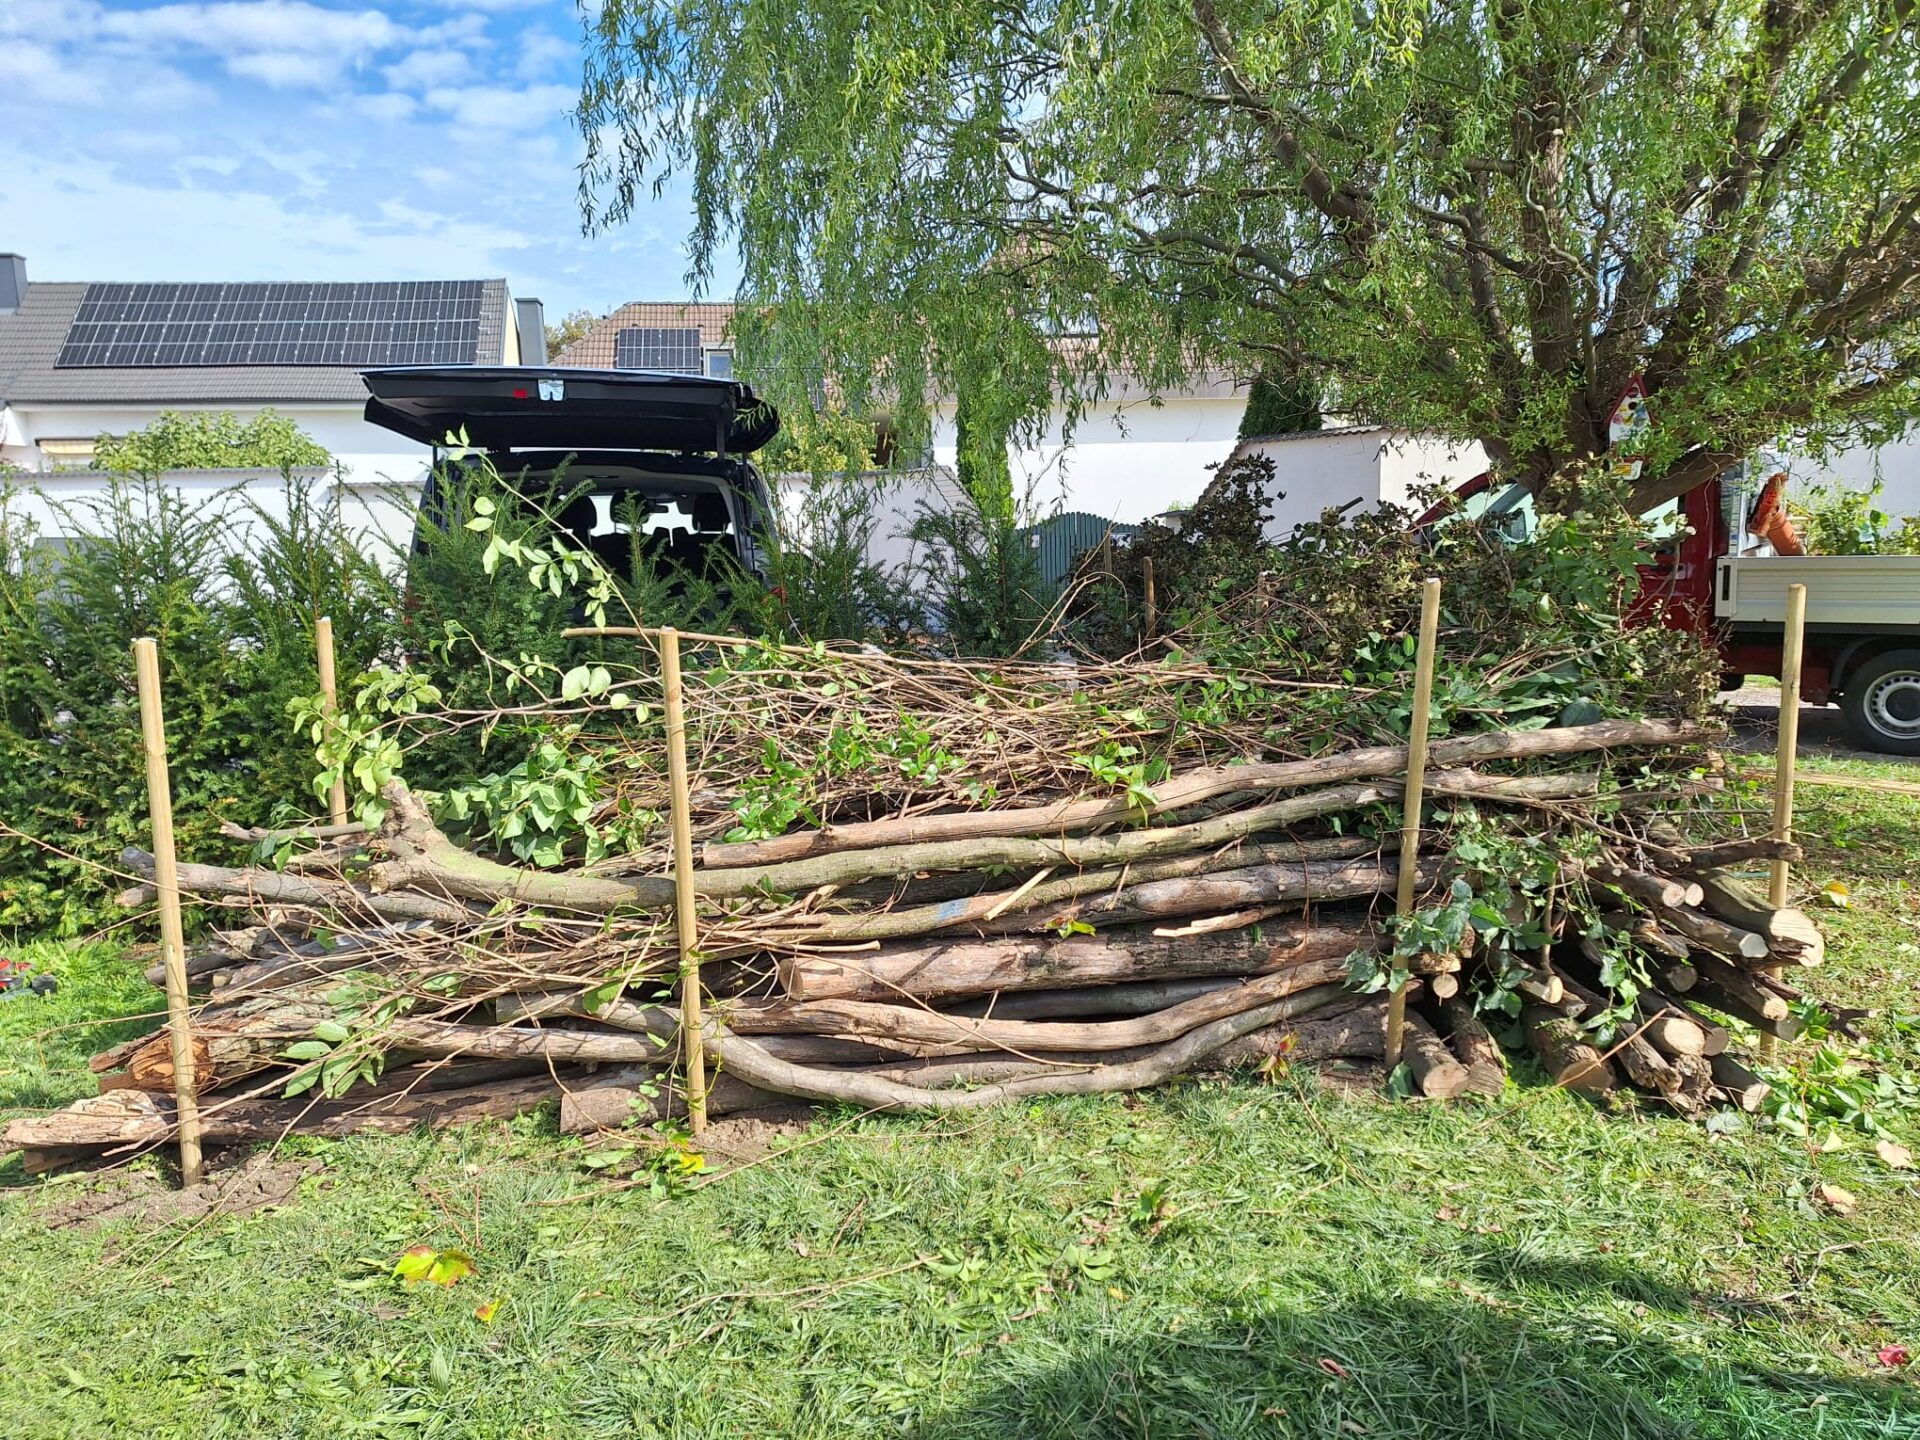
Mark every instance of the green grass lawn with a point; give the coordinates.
(1210, 1260)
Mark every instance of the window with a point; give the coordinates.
(720, 364)
(67, 454)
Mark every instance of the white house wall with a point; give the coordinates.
(1317, 472)
(1128, 461)
(1409, 462)
(368, 453)
(1895, 466)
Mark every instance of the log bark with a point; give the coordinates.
(1198, 786)
(751, 1062)
(134, 1119)
(1137, 998)
(1474, 1046)
(1744, 996)
(942, 969)
(1232, 890)
(1356, 1032)
(1643, 886)
(1790, 934)
(1642, 931)
(423, 859)
(1669, 1029)
(1438, 1074)
(920, 1031)
(1636, 1055)
(1713, 933)
(1009, 910)
(1741, 1086)
(1737, 852)
(335, 896)
(1570, 1061)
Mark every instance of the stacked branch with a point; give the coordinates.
(944, 955)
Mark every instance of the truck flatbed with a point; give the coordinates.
(1861, 594)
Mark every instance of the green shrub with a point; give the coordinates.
(1836, 520)
(206, 440)
(233, 620)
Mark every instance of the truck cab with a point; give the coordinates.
(1714, 575)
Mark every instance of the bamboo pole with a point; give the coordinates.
(1786, 754)
(330, 698)
(1416, 785)
(684, 915)
(166, 879)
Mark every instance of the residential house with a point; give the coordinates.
(1348, 467)
(81, 359)
(1137, 454)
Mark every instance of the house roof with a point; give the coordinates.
(594, 350)
(31, 339)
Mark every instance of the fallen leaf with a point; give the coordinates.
(1334, 1367)
(1841, 1202)
(1894, 1356)
(1116, 1292)
(1895, 1157)
(442, 1267)
(485, 1313)
(1837, 895)
(1446, 1212)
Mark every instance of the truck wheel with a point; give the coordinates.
(1882, 703)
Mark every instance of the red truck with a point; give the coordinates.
(1862, 647)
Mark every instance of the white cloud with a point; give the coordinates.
(243, 27)
(389, 109)
(286, 69)
(424, 68)
(487, 108)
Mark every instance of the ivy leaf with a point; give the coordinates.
(601, 996)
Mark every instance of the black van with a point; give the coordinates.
(631, 450)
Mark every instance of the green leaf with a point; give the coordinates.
(307, 1050)
(331, 1031)
(575, 682)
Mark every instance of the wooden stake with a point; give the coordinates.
(684, 915)
(1153, 608)
(166, 879)
(330, 697)
(1416, 786)
(1786, 754)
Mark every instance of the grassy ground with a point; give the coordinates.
(1211, 1260)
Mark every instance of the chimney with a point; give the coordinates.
(13, 281)
(530, 319)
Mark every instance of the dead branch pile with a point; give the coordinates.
(932, 946)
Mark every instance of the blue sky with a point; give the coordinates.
(284, 139)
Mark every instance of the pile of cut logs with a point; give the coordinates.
(935, 961)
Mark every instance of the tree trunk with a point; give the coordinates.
(1790, 934)
(1670, 1030)
(1571, 1062)
(752, 1063)
(1745, 997)
(941, 969)
(1439, 1075)
(1744, 1088)
(1474, 1046)
(1713, 933)
(1201, 785)
(1644, 1065)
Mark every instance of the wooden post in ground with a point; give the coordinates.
(166, 881)
(1153, 606)
(1410, 803)
(684, 915)
(330, 698)
(1786, 753)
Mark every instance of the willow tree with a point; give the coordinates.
(1482, 220)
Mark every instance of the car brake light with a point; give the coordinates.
(519, 392)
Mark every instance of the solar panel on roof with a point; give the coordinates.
(419, 322)
(676, 351)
